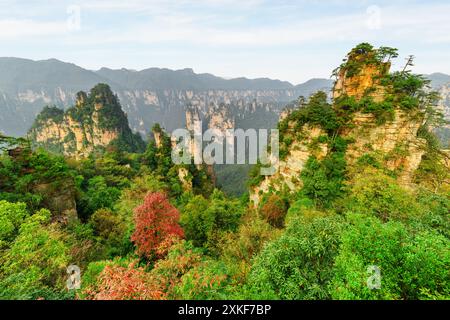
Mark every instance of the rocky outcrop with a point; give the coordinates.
(57, 193)
(220, 118)
(96, 121)
(288, 172)
(71, 138)
(357, 85)
(185, 178)
(59, 198)
(444, 103)
(395, 140)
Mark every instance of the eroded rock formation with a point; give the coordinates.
(395, 140)
(96, 121)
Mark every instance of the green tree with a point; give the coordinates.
(323, 181)
(98, 196)
(411, 266)
(203, 220)
(35, 265)
(12, 216)
(377, 194)
(298, 265)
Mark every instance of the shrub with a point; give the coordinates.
(206, 281)
(376, 194)
(12, 216)
(298, 264)
(205, 220)
(107, 224)
(36, 262)
(238, 249)
(126, 283)
(274, 210)
(181, 258)
(411, 266)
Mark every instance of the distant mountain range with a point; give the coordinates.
(439, 79)
(148, 96)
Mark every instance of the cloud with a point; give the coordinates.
(416, 23)
(16, 28)
(202, 32)
(231, 23)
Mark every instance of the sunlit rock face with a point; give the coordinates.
(395, 139)
(357, 85)
(289, 170)
(96, 121)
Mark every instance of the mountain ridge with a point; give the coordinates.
(149, 96)
(438, 77)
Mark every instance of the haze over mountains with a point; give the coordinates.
(148, 96)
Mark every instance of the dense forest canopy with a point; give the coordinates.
(140, 227)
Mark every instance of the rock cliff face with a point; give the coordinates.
(148, 96)
(168, 107)
(356, 85)
(61, 202)
(57, 192)
(186, 181)
(96, 121)
(145, 107)
(288, 173)
(395, 140)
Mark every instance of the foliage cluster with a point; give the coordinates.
(138, 233)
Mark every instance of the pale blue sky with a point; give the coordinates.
(287, 40)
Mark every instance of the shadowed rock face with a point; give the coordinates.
(58, 193)
(444, 104)
(60, 201)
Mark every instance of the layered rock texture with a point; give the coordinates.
(370, 115)
(396, 140)
(96, 121)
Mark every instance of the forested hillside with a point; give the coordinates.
(362, 191)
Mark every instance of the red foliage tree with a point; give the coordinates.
(119, 283)
(156, 225)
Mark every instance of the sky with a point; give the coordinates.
(287, 40)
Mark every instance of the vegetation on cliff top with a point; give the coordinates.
(97, 112)
(398, 90)
(139, 233)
